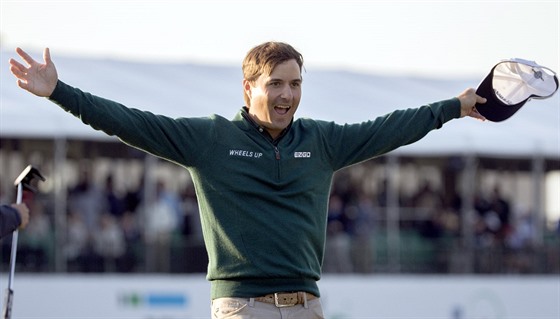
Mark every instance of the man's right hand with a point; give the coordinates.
(23, 214)
(37, 78)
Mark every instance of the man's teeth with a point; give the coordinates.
(282, 109)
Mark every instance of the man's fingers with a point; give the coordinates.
(474, 113)
(17, 73)
(26, 57)
(480, 99)
(17, 68)
(47, 56)
(22, 84)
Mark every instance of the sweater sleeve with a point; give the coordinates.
(9, 220)
(353, 143)
(172, 139)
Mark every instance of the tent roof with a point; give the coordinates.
(180, 90)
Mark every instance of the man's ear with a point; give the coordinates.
(247, 87)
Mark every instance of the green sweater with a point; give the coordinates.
(263, 203)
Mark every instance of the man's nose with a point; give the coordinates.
(287, 92)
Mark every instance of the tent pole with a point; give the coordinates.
(60, 203)
(393, 214)
(149, 196)
(467, 212)
(537, 167)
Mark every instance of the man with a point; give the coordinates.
(13, 217)
(262, 179)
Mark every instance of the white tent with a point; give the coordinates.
(181, 90)
(192, 90)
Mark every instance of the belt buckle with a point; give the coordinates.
(282, 305)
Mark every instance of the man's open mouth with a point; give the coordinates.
(282, 109)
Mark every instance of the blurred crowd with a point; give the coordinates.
(109, 231)
(431, 234)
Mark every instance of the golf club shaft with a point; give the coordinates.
(7, 313)
(15, 240)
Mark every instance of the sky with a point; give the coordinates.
(417, 38)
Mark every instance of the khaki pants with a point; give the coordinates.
(248, 308)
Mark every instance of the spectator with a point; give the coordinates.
(501, 208)
(133, 241)
(77, 242)
(115, 203)
(160, 223)
(337, 250)
(37, 240)
(361, 215)
(88, 200)
(13, 217)
(190, 216)
(109, 242)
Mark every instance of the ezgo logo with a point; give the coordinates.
(302, 154)
(152, 300)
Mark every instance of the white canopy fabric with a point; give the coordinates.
(191, 90)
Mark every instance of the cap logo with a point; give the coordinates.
(503, 98)
(537, 74)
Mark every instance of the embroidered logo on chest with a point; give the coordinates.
(302, 154)
(243, 153)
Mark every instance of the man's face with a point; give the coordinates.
(275, 97)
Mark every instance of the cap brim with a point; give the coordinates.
(494, 110)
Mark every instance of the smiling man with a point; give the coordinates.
(272, 90)
(262, 178)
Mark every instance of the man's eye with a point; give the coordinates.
(296, 84)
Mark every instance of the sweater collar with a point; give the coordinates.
(243, 116)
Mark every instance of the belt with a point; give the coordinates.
(286, 299)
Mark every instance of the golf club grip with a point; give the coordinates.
(7, 311)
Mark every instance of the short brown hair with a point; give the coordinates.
(263, 58)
